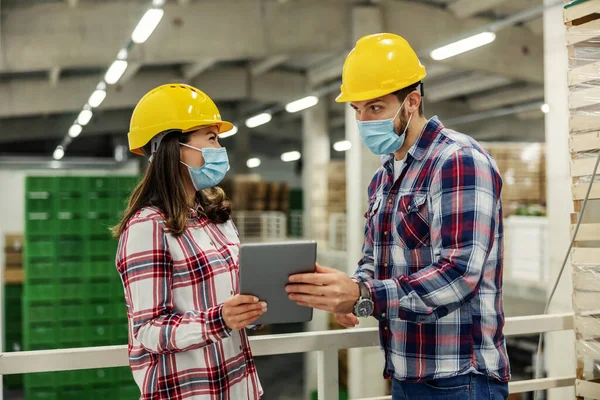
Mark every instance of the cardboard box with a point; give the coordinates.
(13, 242)
(14, 259)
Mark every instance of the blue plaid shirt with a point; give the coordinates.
(432, 259)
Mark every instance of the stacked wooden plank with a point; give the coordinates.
(582, 19)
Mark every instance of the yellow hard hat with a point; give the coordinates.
(380, 64)
(173, 106)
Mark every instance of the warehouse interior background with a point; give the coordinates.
(71, 73)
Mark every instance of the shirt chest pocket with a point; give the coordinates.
(412, 223)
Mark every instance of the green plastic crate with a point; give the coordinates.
(40, 202)
(13, 381)
(72, 312)
(41, 380)
(129, 393)
(103, 311)
(103, 393)
(13, 291)
(104, 184)
(41, 336)
(72, 203)
(39, 224)
(71, 335)
(40, 184)
(40, 313)
(100, 291)
(101, 203)
(40, 271)
(101, 248)
(47, 394)
(76, 393)
(99, 227)
(101, 269)
(41, 292)
(107, 331)
(70, 270)
(69, 224)
(40, 247)
(72, 291)
(71, 248)
(72, 184)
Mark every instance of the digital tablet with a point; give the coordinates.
(265, 269)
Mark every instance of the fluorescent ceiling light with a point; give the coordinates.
(301, 104)
(115, 71)
(462, 46)
(253, 162)
(343, 145)
(147, 24)
(545, 108)
(75, 130)
(258, 120)
(158, 3)
(229, 133)
(97, 98)
(59, 153)
(290, 156)
(101, 86)
(122, 55)
(84, 117)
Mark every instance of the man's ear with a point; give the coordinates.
(413, 102)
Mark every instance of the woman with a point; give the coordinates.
(178, 257)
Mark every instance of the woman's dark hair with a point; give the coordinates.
(162, 186)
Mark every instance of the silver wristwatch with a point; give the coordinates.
(364, 306)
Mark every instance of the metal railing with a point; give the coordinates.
(326, 343)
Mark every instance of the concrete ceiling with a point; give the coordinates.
(280, 51)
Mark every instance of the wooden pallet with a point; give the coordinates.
(582, 21)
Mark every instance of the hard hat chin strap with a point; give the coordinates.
(155, 143)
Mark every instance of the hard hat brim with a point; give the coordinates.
(136, 147)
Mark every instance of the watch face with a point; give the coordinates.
(364, 308)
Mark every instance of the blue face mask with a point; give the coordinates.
(379, 136)
(216, 164)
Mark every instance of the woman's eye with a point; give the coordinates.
(375, 108)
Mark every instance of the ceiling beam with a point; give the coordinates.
(264, 29)
(53, 76)
(21, 97)
(463, 85)
(258, 68)
(467, 8)
(191, 71)
(536, 26)
(506, 97)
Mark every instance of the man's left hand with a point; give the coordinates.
(327, 289)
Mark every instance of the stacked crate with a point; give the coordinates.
(13, 251)
(73, 296)
(336, 187)
(582, 19)
(12, 328)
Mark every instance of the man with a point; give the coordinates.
(431, 271)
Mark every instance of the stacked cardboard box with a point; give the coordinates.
(523, 170)
(250, 193)
(13, 250)
(336, 187)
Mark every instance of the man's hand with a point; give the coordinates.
(347, 320)
(241, 311)
(327, 289)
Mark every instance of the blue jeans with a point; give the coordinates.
(463, 387)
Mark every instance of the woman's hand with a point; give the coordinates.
(241, 311)
(347, 320)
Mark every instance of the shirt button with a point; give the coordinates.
(382, 315)
(385, 328)
(385, 233)
(385, 265)
(390, 201)
(231, 293)
(408, 208)
(240, 347)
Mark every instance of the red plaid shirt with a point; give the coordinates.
(175, 287)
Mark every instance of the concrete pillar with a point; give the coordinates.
(315, 160)
(365, 366)
(559, 352)
(241, 151)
